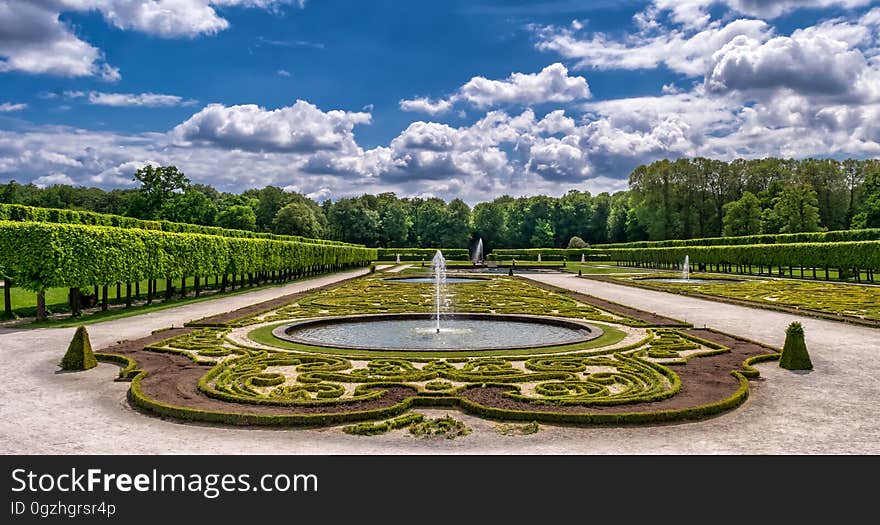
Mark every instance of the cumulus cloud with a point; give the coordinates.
(808, 62)
(677, 49)
(301, 127)
(34, 40)
(51, 179)
(551, 84)
(139, 99)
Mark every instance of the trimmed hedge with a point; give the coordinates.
(547, 254)
(868, 234)
(79, 355)
(849, 255)
(43, 255)
(422, 254)
(20, 213)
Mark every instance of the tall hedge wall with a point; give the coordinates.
(17, 212)
(547, 254)
(869, 234)
(863, 255)
(418, 254)
(38, 256)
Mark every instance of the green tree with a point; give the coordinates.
(743, 217)
(297, 218)
(395, 223)
(191, 206)
(238, 217)
(457, 226)
(797, 209)
(490, 224)
(869, 216)
(351, 221)
(158, 184)
(616, 223)
(270, 200)
(543, 236)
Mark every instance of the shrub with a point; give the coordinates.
(577, 243)
(794, 353)
(79, 354)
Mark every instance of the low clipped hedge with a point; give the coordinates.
(422, 254)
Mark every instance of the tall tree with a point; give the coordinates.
(797, 208)
(158, 184)
(297, 218)
(743, 217)
(238, 217)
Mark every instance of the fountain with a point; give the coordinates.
(459, 331)
(583, 259)
(477, 256)
(397, 259)
(539, 256)
(686, 277)
(438, 266)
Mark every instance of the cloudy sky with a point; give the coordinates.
(459, 98)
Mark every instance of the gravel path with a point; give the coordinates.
(831, 410)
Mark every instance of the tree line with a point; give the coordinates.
(682, 199)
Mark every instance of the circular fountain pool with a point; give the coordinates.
(432, 280)
(418, 332)
(691, 280)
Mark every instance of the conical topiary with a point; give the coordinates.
(794, 353)
(79, 354)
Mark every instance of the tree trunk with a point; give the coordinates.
(169, 285)
(196, 284)
(128, 295)
(137, 290)
(41, 305)
(150, 291)
(118, 291)
(104, 304)
(223, 284)
(7, 297)
(75, 302)
(183, 287)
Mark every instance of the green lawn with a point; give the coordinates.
(822, 296)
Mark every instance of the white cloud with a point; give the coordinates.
(426, 105)
(695, 13)
(54, 178)
(808, 62)
(283, 73)
(137, 99)
(551, 84)
(8, 107)
(677, 49)
(34, 40)
(301, 127)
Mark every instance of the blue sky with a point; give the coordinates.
(469, 99)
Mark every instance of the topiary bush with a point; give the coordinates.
(794, 353)
(79, 354)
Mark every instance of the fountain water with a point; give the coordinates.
(686, 269)
(477, 256)
(438, 266)
(583, 259)
(397, 260)
(539, 257)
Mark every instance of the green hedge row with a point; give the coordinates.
(869, 234)
(20, 213)
(850, 255)
(422, 254)
(547, 254)
(37, 256)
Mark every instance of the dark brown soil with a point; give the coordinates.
(173, 378)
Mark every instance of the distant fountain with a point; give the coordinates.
(686, 269)
(539, 257)
(477, 256)
(438, 266)
(397, 260)
(583, 259)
